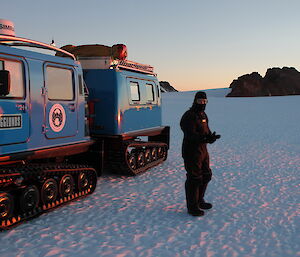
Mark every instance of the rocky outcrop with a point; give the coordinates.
(247, 85)
(277, 82)
(166, 87)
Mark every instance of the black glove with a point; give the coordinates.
(216, 136)
(211, 138)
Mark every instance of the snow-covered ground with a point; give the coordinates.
(255, 192)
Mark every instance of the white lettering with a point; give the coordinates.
(10, 121)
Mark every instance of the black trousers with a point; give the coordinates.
(197, 178)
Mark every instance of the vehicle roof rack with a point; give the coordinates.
(18, 41)
(134, 66)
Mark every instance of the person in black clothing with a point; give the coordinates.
(194, 124)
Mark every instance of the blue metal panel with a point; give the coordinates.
(115, 112)
(34, 117)
(102, 85)
(143, 114)
(140, 118)
(14, 123)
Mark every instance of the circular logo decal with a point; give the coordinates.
(57, 117)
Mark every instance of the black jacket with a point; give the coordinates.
(194, 124)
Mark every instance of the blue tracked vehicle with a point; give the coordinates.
(125, 109)
(65, 120)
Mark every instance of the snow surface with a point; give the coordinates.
(255, 192)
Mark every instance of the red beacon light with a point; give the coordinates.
(119, 52)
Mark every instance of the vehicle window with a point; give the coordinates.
(158, 91)
(135, 91)
(81, 90)
(59, 83)
(15, 69)
(150, 92)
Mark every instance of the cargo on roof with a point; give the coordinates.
(105, 57)
(118, 51)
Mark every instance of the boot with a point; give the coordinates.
(205, 205)
(197, 212)
(192, 197)
(202, 204)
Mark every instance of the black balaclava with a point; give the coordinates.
(199, 107)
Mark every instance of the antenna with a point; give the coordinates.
(52, 42)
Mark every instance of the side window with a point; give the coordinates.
(150, 92)
(80, 84)
(158, 90)
(59, 83)
(15, 69)
(134, 91)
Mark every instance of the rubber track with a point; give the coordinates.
(118, 159)
(12, 178)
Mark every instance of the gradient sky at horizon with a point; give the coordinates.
(192, 44)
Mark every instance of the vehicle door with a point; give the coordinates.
(60, 101)
(14, 117)
(153, 112)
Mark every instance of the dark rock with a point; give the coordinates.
(277, 82)
(166, 87)
(247, 85)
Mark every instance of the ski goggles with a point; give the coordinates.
(201, 101)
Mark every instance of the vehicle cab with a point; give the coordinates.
(42, 101)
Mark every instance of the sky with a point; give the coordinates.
(192, 44)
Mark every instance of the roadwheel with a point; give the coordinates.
(132, 161)
(160, 152)
(154, 153)
(66, 185)
(148, 156)
(6, 205)
(83, 181)
(165, 153)
(49, 191)
(29, 198)
(141, 159)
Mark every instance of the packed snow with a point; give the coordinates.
(254, 190)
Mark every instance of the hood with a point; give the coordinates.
(199, 107)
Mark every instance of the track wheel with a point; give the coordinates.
(66, 185)
(29, 198)
(154, 153)
(93, 180)
(6, 205)
(132, 161)
(141, 159)
(148, 156)
(49, 191)
(160, 152)
(83, 181)
(165, 153)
